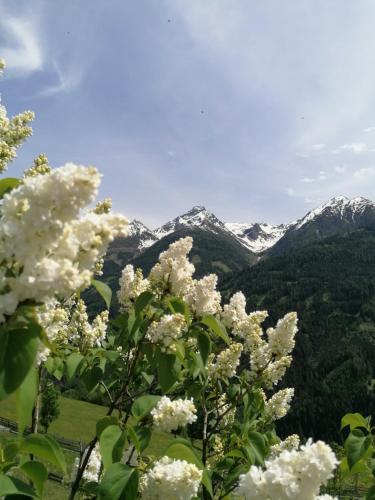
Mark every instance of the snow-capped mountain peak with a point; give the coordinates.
(340, 206)
(257, 237)
(142, 233)
(198, 216)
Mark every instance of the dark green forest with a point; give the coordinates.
(331, 284)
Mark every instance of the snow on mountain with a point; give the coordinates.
(341, 206)
(144, 236)
(257, 237)
(198, 216)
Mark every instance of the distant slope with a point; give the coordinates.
(331, 284)
(213, 252)
(338, 216)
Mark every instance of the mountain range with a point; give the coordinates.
(233, 245)
(322, 266)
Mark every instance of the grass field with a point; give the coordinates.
(77, 421)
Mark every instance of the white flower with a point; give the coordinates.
(49, 248)
(226, 362)
(290, 443)
(234, 312)
(281, 339)
(92, 470)
(83, 333)
(167, 330)
(168, 415)
(132, 284)
(174, 271)
(278, 406)
(171, 480)
(293, 474)
(203, 297)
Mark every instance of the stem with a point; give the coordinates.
(87, 453)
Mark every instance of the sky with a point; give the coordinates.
(259, 111)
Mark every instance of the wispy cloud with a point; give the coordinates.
(356, 147)
(364, 173)
(339, 169)
(369, 129)
(23, 51)
(67, 80)
(318, 147)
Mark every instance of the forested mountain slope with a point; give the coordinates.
(331, 284)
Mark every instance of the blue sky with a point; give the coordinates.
(259, 110)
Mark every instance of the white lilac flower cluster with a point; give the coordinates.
(48, 248)
(202, 297)
(291, 442)
(92, 470)
(83, 333)
(169, 415)
(40, 167)
(132, 284)
(226, 362)
(278, 405)
(292, 474)
(55, 321)
(13, 131)
(171, 480)
(174, 272)
(269, 358)
(225, 412)
(166, 331)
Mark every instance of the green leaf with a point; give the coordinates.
(370, 494)
(143, 405)
(112, 442)
(72, 364)
(8, 184)
(18, 348)
(356, 446)
(168, 370)
(144, 437)
(104, 291)
(256, 447)
(13, 486)
(207, 483)
(181, 449)
(92, 377)
(177, 305)
(37, 472)
(143, 301)
(105, 422)
(217, 327)
(204, 344)
(10, 450)
(45, 447)
(354, 420)
(120, 482)
(26, 398)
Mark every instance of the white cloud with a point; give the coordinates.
(302, 155)
(356, 147)
(291, 192)
(307, 180)
(339, 169)
(23, 54)
(318, 147)
(369, 129)
(322, 176)
(364, 173)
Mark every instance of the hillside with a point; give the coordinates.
(331, 284)
(340, 215)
